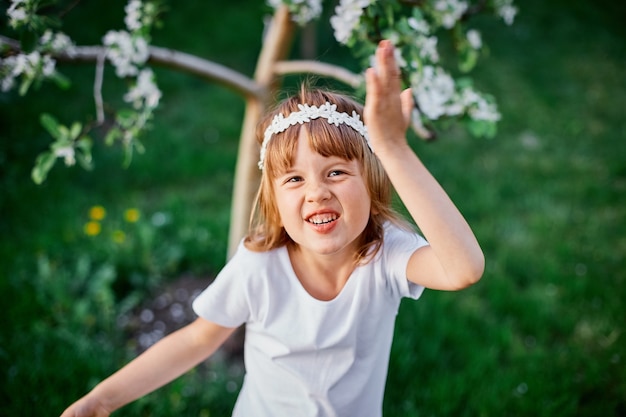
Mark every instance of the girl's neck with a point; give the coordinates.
(324, 276)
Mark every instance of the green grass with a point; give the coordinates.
(541, 335)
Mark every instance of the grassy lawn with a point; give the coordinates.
(541, 335)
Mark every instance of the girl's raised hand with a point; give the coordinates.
(387, 111)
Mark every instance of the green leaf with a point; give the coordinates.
(51, 125)
(128, 154)
(468, 59)
(75, 130)
(45, 161)
(84, 160)
(64, 133)
(84, 157)
(464, 82)
(26, 83)
(61, 80)
(84, 144)
(481, 128)
(112, 135)
(126, 118)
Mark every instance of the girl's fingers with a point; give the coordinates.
(406, 97)
(388, 71)
(386, 107)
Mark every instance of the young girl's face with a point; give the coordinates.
(323, 202)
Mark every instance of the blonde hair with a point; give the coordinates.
(266, 230)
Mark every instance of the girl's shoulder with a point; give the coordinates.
(395, 234)
(399, 243)
(250, 262)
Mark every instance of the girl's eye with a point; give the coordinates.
(294, 179)
(335, 173)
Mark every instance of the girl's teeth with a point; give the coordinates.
(322, 220)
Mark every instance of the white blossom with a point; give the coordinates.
(48, 65)
(451, 11)
(133, 15)
(400, 61)
(435, 93)
(25, 63)
(144, 92)
(307, 10)
(427, 46)
(474, 39)
(30, 66)
(302, 11)
(67, 153)
(508, 14)
(17, 13)
(126, 52)
(347, 16)
(57, 42)
(478, 108)
(506, 10)
(420, 25)
(7, 83)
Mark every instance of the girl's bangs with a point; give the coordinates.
(324, 138)
(281, 151)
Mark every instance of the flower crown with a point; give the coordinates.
(307, 113)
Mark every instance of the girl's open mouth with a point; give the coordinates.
(319, 219)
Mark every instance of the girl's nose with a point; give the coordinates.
(317, 191)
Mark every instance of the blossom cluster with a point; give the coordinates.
(450, 11)
(506, 10)
(36, 64)
(56, 42)
(145, 92)
(416, 38)
(347, 17)
(27, 65)
(302, 11)
(20, 12)
(438, 95)
(126, 52)
(140, 16)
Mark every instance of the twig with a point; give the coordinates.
(97, 87)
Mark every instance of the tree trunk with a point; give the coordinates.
(275, 47)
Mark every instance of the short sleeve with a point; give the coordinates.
(225, 301)
(398, 246)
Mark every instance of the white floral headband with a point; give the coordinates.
(307, 113)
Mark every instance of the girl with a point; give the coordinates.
(319, 279)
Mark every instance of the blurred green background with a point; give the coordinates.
(542, 334)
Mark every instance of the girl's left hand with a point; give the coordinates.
(387, 111)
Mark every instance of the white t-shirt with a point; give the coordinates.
(303, 356)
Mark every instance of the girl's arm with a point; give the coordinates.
(163, 362)
(453, 260)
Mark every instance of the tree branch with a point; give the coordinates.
(167, 58)
(319, 68)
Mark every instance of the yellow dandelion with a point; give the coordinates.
(132, 215)
(119, 236)
(92, 228)
(97, 213)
